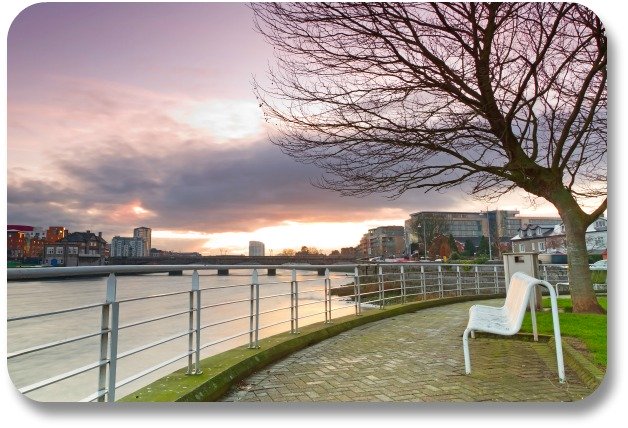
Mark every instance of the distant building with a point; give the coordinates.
(30, 232)
(461, 225)
(155, 252)
(76, 249)
(552, 239)
(127, 247)
(56, 233)
(499, 226)
(145, 234)
(536, 238)
(386, 241)
(16, 240)
(24, 242)
(596, 236)
(363, 249)
(256, 249)
(348, 251)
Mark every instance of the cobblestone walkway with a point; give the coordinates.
(415, 357)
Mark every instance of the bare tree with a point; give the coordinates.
(390, 97)
(426, 226)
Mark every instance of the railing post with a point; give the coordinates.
(545, 273)
(294, 303)
(403, 285)
(423, 281)
(252, 312)
(440, 281)
(380, 281)
(190, 370)
(458, 280)
(356, 291)
(109, 342)
(195, 329)
(477, 279)
(327, 297)
(256, 282)
(113, 351)
(496, 278)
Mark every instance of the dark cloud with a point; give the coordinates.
(194, 186)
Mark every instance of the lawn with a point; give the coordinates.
(588, 328)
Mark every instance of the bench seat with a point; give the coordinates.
(490, 319)
(506, 320)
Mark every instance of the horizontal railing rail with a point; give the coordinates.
(240, 310)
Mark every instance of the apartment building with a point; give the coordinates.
(499, 226)
(144, 233)
(256, 249)
(386, 241)
(25, 242)
(76, 249)
(122, 246)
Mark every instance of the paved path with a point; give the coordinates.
(415, 357)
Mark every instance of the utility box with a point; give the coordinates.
(527, 263)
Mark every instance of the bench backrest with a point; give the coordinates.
(518, 297)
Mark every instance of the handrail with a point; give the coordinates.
(61, 272)
(396, 283)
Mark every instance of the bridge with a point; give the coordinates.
(226, 260)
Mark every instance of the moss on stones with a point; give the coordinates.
(221, 371)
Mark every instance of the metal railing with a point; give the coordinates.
(202, 320)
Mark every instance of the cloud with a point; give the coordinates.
(117, 157)
(190, 186)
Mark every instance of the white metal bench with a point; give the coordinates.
(506, 320)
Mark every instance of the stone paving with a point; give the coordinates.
(415, 357)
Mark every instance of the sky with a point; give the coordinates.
(134, 114)
(81, 108)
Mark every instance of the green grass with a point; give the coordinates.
(14, 264)
(588, 328)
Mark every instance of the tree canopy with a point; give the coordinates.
(390, 97)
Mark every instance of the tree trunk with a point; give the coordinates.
(582, 294)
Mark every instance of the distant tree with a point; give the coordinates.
(427, 226)
(390, 97)
(469, 248)
(287, 252)
(452, 243)
(556, 244)
(308, 251)
(483, 249)
(439, 247)
(335, 253)
(505, 247)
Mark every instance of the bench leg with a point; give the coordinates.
(533, 314)
(472, 334)
(465, 347)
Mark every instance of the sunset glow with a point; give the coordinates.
(115, 126)
(288, 235)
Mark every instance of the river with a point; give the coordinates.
(31, 297)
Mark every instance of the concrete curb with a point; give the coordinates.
(586, 371)
(221, 371)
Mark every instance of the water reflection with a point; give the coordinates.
(43, 296)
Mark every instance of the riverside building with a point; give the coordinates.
(256, 249)
(144, 233)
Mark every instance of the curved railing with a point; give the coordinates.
(188, 323)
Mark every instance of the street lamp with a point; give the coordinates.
(424, 240)
(490, 246)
